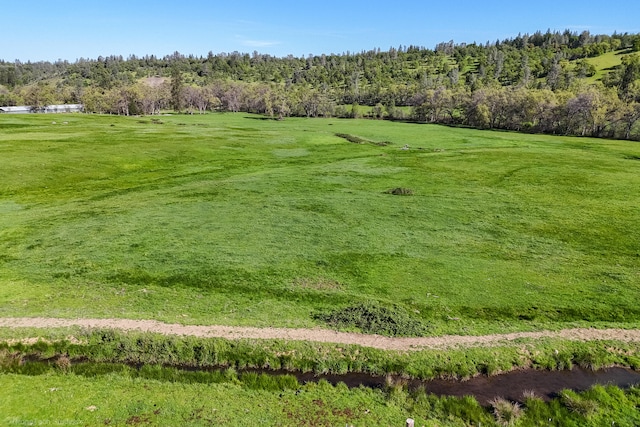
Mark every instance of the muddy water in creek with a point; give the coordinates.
(545, 384)
(511, 386)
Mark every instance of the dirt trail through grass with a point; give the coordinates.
(320, 335)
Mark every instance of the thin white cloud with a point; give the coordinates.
(259, 43)
(579, 27)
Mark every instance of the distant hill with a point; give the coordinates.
(387, 81)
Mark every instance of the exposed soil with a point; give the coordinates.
(320, 335)
(155, 81)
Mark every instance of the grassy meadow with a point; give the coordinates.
(606, 62)
(235, 219)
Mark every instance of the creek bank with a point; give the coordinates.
(511, 385)
(514, 385)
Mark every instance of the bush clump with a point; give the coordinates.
(372, 318)
(400, 191)
(506, 413)
(352, 138)
(578, 404)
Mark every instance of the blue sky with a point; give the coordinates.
(37, 30)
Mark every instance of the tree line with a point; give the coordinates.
(541, 82)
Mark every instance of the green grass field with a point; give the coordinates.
(233, 219)
(606, 62)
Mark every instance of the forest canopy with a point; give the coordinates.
(553, 82)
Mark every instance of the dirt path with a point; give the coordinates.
(319, 335)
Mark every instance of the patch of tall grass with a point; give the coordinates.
(109, 346)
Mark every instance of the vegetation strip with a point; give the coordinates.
(511, 385)
(321, 335)
(142, 367)
(143, 348)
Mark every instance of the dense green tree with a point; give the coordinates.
(39, 95)
(629, 116)
(95, 100)
(177, 87)
(630, 72)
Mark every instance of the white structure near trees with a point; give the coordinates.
(63, 108)
(22, 109)
(25, 109)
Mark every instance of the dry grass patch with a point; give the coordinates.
(507, 413)
(316, 284)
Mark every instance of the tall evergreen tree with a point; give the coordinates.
(177, 85)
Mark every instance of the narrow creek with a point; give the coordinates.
(545, 384)
(512, 385)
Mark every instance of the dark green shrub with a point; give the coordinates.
(399, 191)
(257, 381)
(352, 138)
(10, 361)
(374, 319)
(358, 140)
(578, 404)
